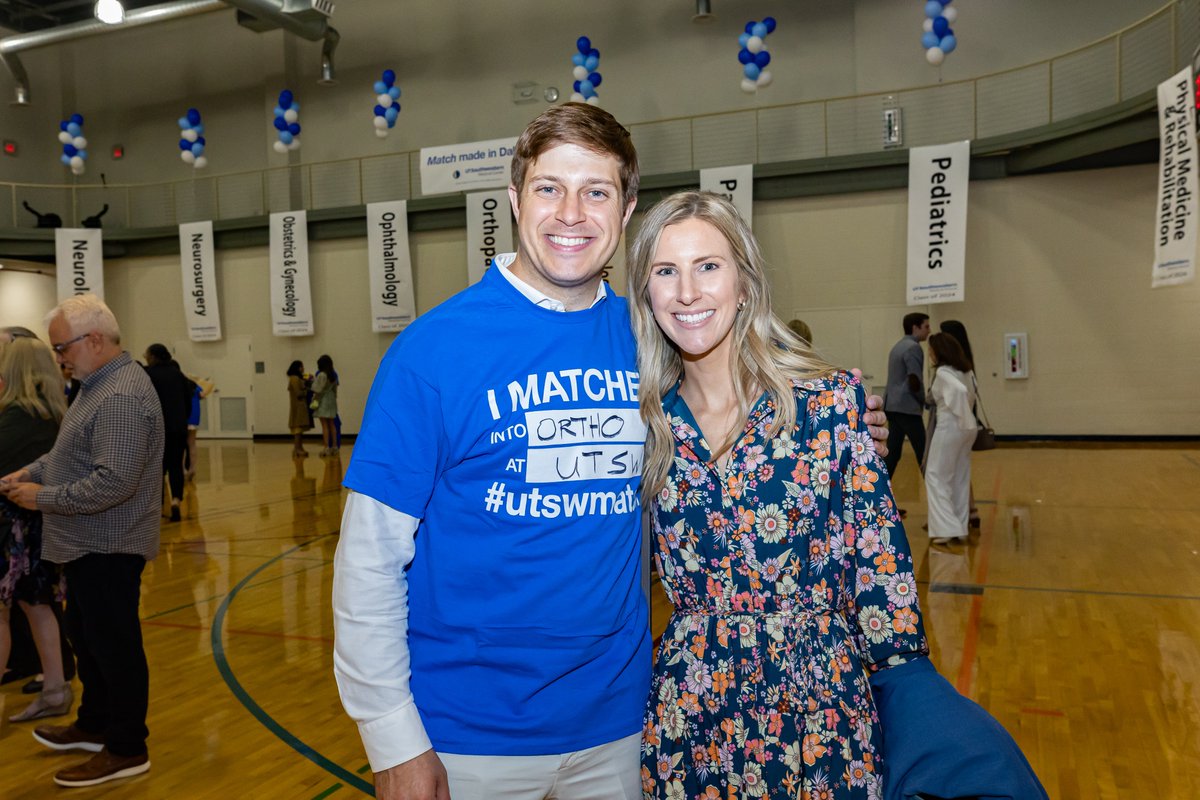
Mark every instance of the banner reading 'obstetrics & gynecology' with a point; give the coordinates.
(291, 297)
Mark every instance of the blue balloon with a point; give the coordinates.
(578, 59)
(391, 123)
(66, 159)
(750, 27)
(742, 39)
(590, 63)
(593, 53)
(294, 129)
(278, 111)
(286, 137)
(941, 26)
(759, 30)
(595, 78)
(62, 126)
(77, 119)
(751, 71)
(770, 23)
(762, 58)
(933, 9)
(184, 144)
(184, 124)
(74, 129)
(380, 87)
(745, 56)
(193, 116)
(82, 154)
(583, 44)
(389, 77)
(285, 98)
(929, 39)
(295, 105)
(70, 149)
(280, 124)
(575, 86)
(585, 87)
(201, 140)
(379, 110)
(394, 92)
(199, 129)
(198, 148)
(948, 43)
(391, 113)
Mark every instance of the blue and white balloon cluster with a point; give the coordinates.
(586, 62)
(938, 40)
(191, 139)
(287, 116)
(754, 56)
(74, 146)
(387, 103)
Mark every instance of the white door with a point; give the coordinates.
(228, 412)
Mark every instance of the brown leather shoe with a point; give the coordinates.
(68, 737)
(101, 768)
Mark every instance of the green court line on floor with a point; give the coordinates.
(327, 792)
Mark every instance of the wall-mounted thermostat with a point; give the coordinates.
(1016, 355)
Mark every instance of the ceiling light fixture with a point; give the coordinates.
(110, 12)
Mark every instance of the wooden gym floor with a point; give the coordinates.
(1073, 616)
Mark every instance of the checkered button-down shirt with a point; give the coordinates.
(102, 481)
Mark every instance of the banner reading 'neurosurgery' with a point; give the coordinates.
(79, 262)
(200, 308)
(735, 184)
(390, 264)
(489, 230)
(1175, 231)
(937, 222)
(291, 297)
(462, 167)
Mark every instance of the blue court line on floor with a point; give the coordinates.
(288, 738)
(956, 588)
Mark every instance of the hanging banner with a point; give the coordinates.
(489, 230)
(937, 222)
(196, 257)
(79, 262)
(390, 264)
(291, 297)
(1175, 233)
(735, 184)
(462, 167)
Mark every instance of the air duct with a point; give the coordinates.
(307, 19)
(12, 45)
(703, 11)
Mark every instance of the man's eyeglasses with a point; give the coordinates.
(62, 348)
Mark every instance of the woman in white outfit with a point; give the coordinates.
(948, 461)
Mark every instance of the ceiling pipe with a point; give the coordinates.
(10, 46)
(703, 11)
(313, 29)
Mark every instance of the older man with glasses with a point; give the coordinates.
(99, 490)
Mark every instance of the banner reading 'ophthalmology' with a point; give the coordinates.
(291, 297)
(390, 264)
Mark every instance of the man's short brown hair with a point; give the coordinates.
(587, 126)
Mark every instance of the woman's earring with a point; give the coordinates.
(741, 304)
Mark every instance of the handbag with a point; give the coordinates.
(985, 435)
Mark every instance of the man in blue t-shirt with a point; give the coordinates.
(491, 630)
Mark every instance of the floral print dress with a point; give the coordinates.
(792, 581)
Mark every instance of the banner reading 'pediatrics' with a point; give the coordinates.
(291, 297)
(736, 184)
(465, 167)
(937, 222)
(79, 262)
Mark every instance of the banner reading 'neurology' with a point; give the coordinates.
(489, 230)
(79, 262)
(291, 297)
(736, 184)
(1175, 231)
(388, 258)
(937, 222)
(462, 167)
(200, 308)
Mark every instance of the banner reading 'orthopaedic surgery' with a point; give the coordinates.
(463, 167)
(489, 230)
(291, 297)
(200, 308)
(937, 222)
(79, 262)
(392, 303)
(1175, 231)
(736, 184)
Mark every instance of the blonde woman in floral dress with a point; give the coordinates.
(776, 534)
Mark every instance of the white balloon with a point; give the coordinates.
(291, 115)
(381, 122)
(190, 134)
(201, 162)
(764, 78)
(950, 13)
(927, 25)
(580, 73)
(188, 156)
(576, 97)
(381, 133)
(64, 137)
(80, 143)
(280, 147)
(295, 145)
(594, 100)
(76, 161)
(935, 56)
(76, 170)
(384, 100)
(754, 44)
(749, 85)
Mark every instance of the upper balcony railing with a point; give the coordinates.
(1121, 66)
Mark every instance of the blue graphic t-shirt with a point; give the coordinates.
(512, 432)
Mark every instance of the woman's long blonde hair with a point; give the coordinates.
(768, 355)
(31, 379)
